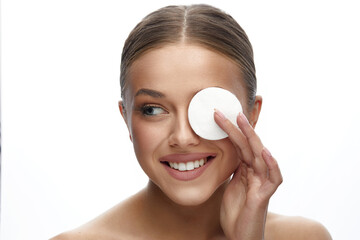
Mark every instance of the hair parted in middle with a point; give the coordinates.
(198, 24)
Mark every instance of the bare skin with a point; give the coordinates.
(214, 205)
(126, 221)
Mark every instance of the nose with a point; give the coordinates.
(182, 135)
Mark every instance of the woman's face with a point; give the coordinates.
(160, 86)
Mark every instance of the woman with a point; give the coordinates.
(170, 56)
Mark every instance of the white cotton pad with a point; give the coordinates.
(201, 111)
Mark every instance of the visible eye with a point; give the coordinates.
(149, 110)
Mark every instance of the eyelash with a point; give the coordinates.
(146, 108)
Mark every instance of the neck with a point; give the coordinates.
(184, 222)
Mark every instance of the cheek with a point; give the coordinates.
(230, 156)
(147, 137)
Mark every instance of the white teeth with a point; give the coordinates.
(182, 167)
(196, 164)
(188, 165)
(201, 162)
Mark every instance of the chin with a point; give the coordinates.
(190, 196)
(194, 195)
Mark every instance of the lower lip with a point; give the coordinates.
(187, 175)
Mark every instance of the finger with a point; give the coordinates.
(236, 136)
(275, 176)
(237, 174)
(239, 183)
(255, 144)
(248, 131)
(240, 173)
(244, 174)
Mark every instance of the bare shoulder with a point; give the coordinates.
(115, 224)
(89, 231)
(296, 228)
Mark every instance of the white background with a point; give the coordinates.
(66, 153)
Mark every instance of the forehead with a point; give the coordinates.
(184, 69)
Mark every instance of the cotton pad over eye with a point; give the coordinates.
(201, 111)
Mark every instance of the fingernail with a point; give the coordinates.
(267, 156)
(267, 152)
(243, 117)
(220, 114)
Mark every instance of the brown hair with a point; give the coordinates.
(202, 24)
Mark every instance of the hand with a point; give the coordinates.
(245, 201)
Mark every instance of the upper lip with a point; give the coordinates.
(185, 157)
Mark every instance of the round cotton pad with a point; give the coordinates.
(201, 111)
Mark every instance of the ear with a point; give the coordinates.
(123, 114)
(122, 110)
(255, 111)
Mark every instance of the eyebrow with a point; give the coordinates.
(149, 92)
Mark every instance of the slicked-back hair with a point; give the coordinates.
(201, 24)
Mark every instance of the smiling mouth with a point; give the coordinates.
(189, 165)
